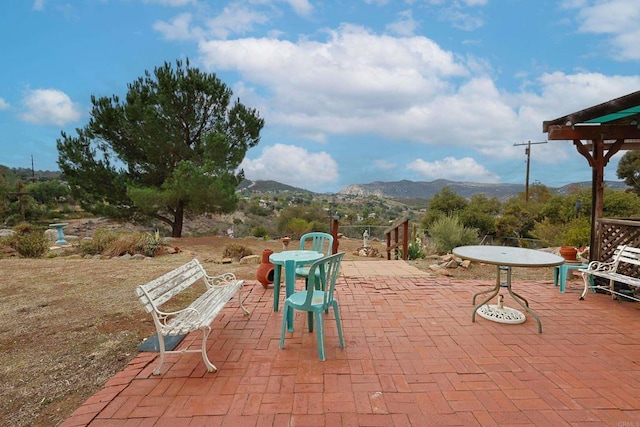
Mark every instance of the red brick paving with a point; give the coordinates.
(412, 357)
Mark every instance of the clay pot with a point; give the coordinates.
(265, 269)
(568, 253)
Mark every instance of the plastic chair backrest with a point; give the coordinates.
(318, 242)
(323, 275)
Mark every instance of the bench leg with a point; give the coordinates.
(205, 334)
(162, 351)
(586, 278)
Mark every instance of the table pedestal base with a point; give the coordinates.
(501, 314)
(494, 292)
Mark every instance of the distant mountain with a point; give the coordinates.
(426, 190)
(248, 186)
(422, 190)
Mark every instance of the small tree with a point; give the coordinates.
(171, 147)
(447, 233)
(629, 169)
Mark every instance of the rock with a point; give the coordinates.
(5, 232)
(51, 235)
(227, 261)
(138, 256)
(250, 259)
(439, 270)
(367, 251)
(452, 263)
(466, 264)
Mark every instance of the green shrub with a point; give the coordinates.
(236, 251)
(29, 241)
(259, 231)
(577, 233)
(447, 233)
(414, 251)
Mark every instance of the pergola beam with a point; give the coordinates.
(598, 132)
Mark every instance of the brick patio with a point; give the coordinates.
(412, 358)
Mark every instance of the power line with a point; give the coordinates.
(528, 153)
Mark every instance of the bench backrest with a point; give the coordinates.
(626, 254)
(165, 287)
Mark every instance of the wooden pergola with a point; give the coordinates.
(598, 133)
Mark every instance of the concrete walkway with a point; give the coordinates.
(412, 358)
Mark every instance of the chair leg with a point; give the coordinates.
(310, 320)
(284, 324)
(320, 334)
(336, 312)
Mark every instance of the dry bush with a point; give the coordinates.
(126, 243)
(236, 251)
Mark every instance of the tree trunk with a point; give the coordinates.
(178, 220)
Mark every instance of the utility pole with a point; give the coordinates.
(527, 151)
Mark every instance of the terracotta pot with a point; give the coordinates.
(568, 253)
(265, 269)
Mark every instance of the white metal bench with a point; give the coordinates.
(198, 315)
(610, 270)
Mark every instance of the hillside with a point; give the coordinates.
(426, 190)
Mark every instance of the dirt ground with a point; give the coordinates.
(69, 324)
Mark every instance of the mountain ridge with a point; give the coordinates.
(406, 189)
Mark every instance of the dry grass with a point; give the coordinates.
(70, 324)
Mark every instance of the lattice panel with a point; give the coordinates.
(613, 233)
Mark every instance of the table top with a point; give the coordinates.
(299, 256)
(508, 256)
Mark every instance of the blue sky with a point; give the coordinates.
(352, 91)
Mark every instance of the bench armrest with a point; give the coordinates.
(222, 279)
(164, 317)
(608, 267)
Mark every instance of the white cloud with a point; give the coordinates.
(384, 165)
(38, 5)
(292, 165)
(3, 104)
(617, 18)
(178, 29)
(301, 7)
(462, 20)
(234, 19)
(49, 106)
(354, 81)
(465, 169)
(405, 25)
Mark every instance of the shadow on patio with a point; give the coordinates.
(412, 357)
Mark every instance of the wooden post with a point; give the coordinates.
(334, 232)
(405, 240)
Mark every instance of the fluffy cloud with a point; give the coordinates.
(293, 166)
(49, 107)
(617, 18)
(3, 104)
(465, 169)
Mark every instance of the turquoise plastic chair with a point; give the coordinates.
(316, 241)
(317, 299)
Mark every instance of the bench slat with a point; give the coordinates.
(207, 307)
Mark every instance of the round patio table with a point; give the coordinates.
(505, 257)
